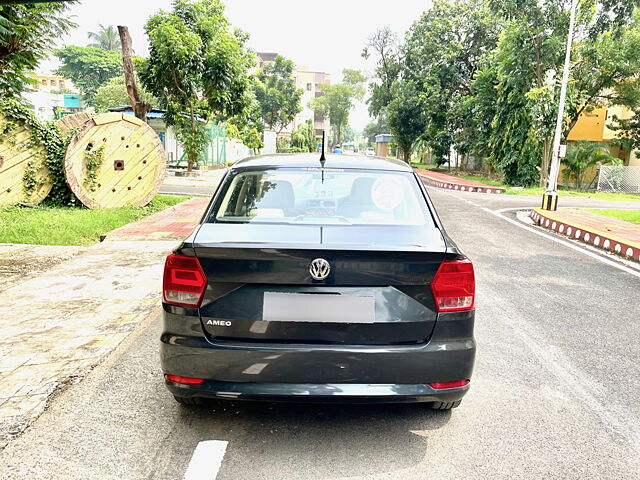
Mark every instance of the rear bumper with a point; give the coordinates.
(321, 373)
(318, 393)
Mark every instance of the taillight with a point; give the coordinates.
(454, 286)
(184, 281)
(445, 385)
(184, 380)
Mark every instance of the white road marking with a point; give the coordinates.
(206, 460)
(598, 257)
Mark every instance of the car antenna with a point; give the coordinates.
(322, 157)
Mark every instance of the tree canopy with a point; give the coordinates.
(276, 92)
(89, 68)
(197, 69)
(106, 38)
(337, 101)
(26, 35)
(114, 93)
(482, 76)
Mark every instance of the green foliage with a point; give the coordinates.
(406, 117)
(114, 93)
(581, 157)
(26, 35)
(93, 160)
(486, 76)
(338, 101)
(89, 68)
(55, 145)
(304, 137)
(375, 128)
(276, 92)
(253, 139)
(106, 38)
(197, 69)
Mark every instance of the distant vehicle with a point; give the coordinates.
(370, 152)
(325, 282)
(337, 149)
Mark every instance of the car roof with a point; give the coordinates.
(312, 160)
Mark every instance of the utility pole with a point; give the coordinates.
(550, 197)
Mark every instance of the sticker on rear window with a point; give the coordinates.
(387, 193)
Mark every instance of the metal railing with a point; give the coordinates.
(619, 179)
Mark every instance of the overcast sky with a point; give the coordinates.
(326, 35)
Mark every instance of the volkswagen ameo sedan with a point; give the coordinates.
(319, 281)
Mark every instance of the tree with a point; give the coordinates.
(197, 68)
(383, 47)
(441, 56)
(375, 128)
(89, 67)
(26, 35)
(276, 92)
(337, 101)
(106, 38)
(581, 156)
(304, 137)
(114, 93)
(405, 116)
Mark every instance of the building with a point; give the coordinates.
(310, 82)
(592, 126)
(52, 97)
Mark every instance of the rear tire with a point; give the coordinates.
(445, 405)
(189, 401)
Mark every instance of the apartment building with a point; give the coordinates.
(310, 82)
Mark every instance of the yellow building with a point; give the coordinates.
(51, 82)
(592, 126)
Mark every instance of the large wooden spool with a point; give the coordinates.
(131, 165)
(20, 155)
(75, 122)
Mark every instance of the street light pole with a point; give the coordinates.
(550, 197)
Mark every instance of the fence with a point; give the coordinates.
(619, 179)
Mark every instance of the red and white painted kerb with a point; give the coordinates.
(461, 187)
(597, 239)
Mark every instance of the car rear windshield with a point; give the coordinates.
(322, 196)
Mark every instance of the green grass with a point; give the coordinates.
(485, 180)
(72, 226)
(423, 165)
(538, 191)
(632, 216)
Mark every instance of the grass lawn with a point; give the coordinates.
(538, 191)
(72, 226)
(423, 165)
(632, 216)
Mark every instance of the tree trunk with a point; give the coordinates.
(546, 162)
(406, 155)
(140, 109)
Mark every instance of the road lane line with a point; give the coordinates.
(206, 460)
(565, 243)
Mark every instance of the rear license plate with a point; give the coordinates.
(305, 307)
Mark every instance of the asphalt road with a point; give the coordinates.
(554, 394)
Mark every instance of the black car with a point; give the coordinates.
(319, 281)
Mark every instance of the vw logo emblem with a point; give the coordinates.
(319, 269)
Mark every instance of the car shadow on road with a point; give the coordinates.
(268, 440)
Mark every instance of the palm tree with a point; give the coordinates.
(581, 157)
(106, 38)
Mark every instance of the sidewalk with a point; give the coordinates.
(57, 324)
(616, 236)
(440, 180)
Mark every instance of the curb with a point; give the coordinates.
(460, 186)
(605, 241)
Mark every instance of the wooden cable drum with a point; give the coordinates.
(24, 176)
(115, 160)
(77, 121)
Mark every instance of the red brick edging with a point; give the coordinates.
(589, 235)
(464, 187)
